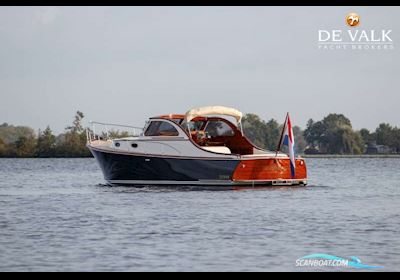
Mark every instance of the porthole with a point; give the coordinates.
(134, 145)
(117, 144)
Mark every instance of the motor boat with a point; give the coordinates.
(204, 147)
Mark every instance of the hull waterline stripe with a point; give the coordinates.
(206, 182)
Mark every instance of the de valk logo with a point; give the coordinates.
(355, 38)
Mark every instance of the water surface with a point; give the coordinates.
(56, 215)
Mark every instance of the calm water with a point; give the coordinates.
(56, 216)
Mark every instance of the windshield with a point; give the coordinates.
(193, 125)
(161, 128)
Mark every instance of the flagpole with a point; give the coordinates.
(283, 131)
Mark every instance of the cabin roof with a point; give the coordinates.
(170, 117)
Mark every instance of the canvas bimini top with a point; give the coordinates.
(213, 110)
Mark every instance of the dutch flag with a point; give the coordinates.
(287, 139)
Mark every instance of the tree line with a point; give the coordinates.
(23, 142)
(333, 134)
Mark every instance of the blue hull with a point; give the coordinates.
(141, 170)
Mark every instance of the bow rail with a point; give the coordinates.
(109, 131)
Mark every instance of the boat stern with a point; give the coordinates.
(272, 171)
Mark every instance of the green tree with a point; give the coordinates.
(266, 134)
(72, 145)
(24, 147)
(3, 148)
(339, 136)
(396, 139)
(272, 134)
(46, 146)
(359, 144)
(10, 133)
(255, 129)
(349, 142)
(73, 142)
(300, 141)
(314, 133)
(334, 135)
(384, 135)
(367, 136)
(77, 126)
(262, 134)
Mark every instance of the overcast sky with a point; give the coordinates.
(124, 64)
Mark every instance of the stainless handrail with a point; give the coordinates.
(92, 136)
(119, 125)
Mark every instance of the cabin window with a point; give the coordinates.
(219, 128)
(161, 128)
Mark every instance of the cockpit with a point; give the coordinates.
(206, 129)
